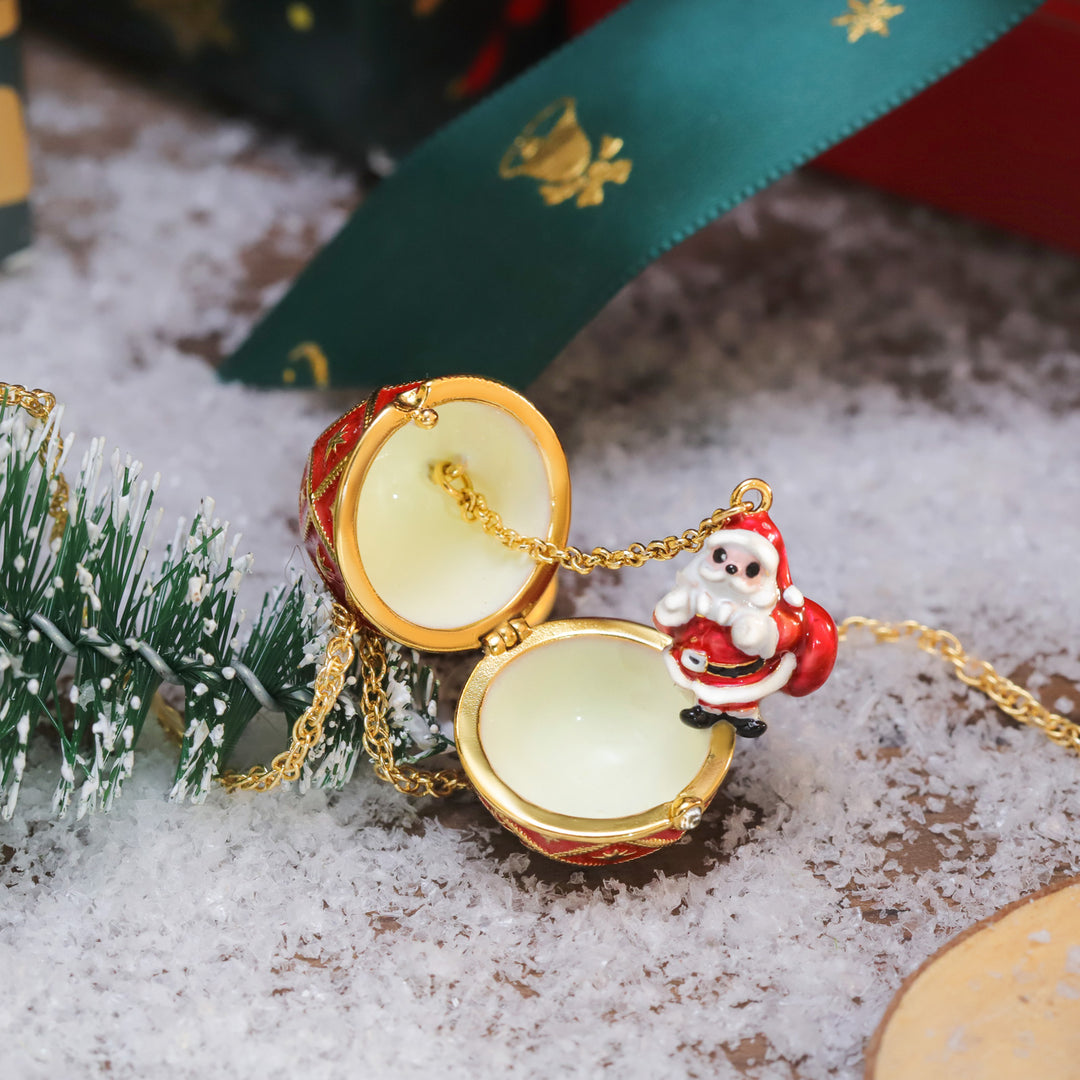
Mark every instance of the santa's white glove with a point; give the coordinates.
(755, 634)
(675, 608)
(723, 611)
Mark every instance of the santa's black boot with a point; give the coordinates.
(697, 717)
(749, 727)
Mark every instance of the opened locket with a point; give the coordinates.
(567, 730)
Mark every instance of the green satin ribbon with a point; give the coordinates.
(456, 265)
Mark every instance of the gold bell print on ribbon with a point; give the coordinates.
(553, 149)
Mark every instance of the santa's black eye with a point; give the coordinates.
(753, 570)
(719, 555)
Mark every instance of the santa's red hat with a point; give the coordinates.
(756, 532)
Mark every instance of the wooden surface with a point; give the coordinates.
(1001, 1001)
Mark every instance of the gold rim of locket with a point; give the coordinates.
(536, 593)
(681, 812)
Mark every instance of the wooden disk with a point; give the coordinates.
(1001, 1001)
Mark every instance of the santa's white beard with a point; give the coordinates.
(728, 602)
(721, 602)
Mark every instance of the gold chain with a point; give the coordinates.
(40, 404)
(308, 729)
(1011, 698)
(455, 481)
(406, 778)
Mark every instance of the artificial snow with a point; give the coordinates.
(910, 386)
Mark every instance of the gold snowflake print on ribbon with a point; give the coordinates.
(868, 17)
(194, 24)
(553, 149)
(300, 17)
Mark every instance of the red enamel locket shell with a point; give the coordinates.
(393, 548)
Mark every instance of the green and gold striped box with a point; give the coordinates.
(14, 158)
(359, 75)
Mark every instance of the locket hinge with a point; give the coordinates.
(506, 636)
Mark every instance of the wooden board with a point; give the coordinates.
(999, 1002)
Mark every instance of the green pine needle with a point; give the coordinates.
(91, 627)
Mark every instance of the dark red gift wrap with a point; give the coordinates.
(998, 139)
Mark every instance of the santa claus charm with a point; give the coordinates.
(740, 630)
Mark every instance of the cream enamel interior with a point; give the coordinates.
(422, 559)
(588, 726)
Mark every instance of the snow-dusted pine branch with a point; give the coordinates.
(91, 627)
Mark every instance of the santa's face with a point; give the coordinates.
(736, 567)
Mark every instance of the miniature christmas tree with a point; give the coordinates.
(92, 626)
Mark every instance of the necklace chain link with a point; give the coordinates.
(1011, 698)
(307, 731)
(39, 404)
(408, 779)
(455, 481)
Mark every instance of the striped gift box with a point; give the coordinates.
(14, 157)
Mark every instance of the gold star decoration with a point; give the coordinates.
(333, 443)
(868, 17)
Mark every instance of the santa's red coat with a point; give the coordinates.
(807, 635)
